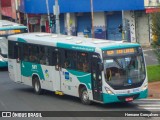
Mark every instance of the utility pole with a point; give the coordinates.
(92, 15)
(68, 24)
(123, 27)
(56, 13)
(48, 12)
(0, 10)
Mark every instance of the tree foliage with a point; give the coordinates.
(156, 33)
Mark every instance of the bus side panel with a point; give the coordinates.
(71, 80)
(44, 73)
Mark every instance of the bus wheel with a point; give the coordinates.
(84, 96)
(37, 86)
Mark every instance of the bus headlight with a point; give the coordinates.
(145, 87)
(108, 90)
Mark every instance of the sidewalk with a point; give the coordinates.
(154, 90)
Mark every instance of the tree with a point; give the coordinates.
(156, 33)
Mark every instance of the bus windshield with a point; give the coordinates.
(125, 72)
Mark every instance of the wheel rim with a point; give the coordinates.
(85, 96)
(36, 86)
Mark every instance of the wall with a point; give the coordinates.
(142, 28)
(129, 15)
(99, 25)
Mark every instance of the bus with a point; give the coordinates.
(8, 28)
(94, 70)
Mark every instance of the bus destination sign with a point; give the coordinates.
(121, 51)
(8, 32)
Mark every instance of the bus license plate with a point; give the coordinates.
(129, 99)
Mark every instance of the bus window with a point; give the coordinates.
(26, 53)
(83, 62)
(33, 49)
(70, 60)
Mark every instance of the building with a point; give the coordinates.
(75, 18)
(8, 10)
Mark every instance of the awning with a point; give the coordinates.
(72, 6)
(5, 3)
(9, 9)
(152, 10)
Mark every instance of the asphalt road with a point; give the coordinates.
(150, 57)
(18, 97)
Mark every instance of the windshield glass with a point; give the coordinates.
(125, 72)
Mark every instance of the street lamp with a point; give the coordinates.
(92, 17)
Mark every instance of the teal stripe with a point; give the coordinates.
(28, 69)
(21, 40)
(76, 47)
(120, 46)
(13, 27)
(83, 77)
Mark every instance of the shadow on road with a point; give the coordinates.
(4, 69)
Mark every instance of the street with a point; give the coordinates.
(150, 57)
(18, 97)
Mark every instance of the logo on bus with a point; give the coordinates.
(46, 73)
(67, 75)
(34, 66)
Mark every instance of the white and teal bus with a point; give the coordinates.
(95, 70)
(8, 28)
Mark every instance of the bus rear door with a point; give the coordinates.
(56, 54)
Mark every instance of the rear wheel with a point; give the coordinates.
(84, 96)
(37, 86)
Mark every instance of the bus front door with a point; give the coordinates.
(96, 78)
(17, 62)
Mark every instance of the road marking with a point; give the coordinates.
(3, 105)
(150, 105)
(147, 50)
(152, 108)
(145, 55)
(154, 59)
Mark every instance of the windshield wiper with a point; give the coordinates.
(117, 62)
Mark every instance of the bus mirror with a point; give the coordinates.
(100, 66)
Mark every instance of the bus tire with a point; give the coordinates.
(84, 96)
(37, 86)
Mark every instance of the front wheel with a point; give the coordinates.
(84, 96)
(37, 86)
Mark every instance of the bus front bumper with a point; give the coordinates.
(109, 98)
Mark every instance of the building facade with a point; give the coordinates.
(8, 9)
(75, 18)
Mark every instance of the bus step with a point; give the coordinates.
(59, 93)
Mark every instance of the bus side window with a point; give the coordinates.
(70, 58)
(33, 50)
(83, 62)
(25, 53)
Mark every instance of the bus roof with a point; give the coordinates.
(71, 42)
(8, 25)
